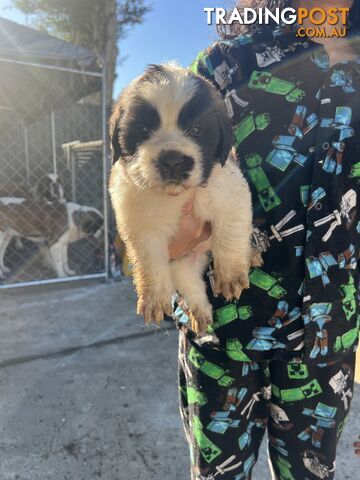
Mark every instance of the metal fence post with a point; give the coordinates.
(105, 172)
(27, 159)
(53, 142)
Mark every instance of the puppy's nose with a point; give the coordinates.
(174, 165)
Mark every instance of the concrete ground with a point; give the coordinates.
(87, 392)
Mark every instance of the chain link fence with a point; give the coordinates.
(53, 208)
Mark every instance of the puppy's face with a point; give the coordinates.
(169, 129)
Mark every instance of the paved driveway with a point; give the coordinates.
(87, 392)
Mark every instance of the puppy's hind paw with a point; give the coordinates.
(256, 258)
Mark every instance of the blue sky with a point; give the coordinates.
(175, 29)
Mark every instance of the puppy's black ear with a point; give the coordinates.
(226, 141)
(115, 143)
(114, 129)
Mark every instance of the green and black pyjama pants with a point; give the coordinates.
(227, 404)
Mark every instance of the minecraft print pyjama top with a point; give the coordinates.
(297, 139)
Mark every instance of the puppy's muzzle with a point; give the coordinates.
(174, 166)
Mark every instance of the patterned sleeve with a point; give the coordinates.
(214, 65)
(203, 64)
(227, 65)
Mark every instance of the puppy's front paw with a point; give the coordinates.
(153, 306)
(231, 286)
(200, 319)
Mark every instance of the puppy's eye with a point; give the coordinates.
(145, 132)
(195, 132)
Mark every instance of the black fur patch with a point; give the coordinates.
(196, 107)
(139, 127)
(213, 133)
(115, 143)
(49, 190)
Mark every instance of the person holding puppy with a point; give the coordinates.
(282, 357)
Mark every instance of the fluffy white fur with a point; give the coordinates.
(148, 219)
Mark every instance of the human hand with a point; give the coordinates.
(192, 235)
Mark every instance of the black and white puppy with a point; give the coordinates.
(171, 135)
